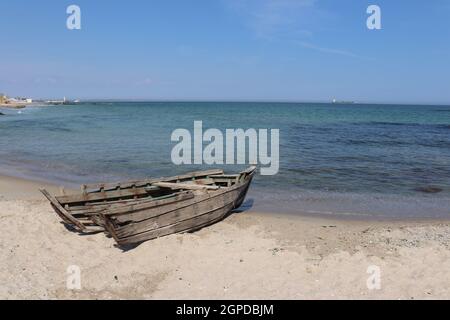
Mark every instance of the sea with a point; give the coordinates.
(340, 160)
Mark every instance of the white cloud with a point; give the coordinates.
(328, 50)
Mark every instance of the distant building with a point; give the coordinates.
(23, 100)
(14, 102)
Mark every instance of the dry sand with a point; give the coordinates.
(247, 256)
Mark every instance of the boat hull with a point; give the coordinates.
(187, 215)
(134, 212)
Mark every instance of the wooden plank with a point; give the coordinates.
(133, 207)
(195, 174)
(149, 213)
(249, 170)
(186, 186)
(230, 193)
(218, 180)
(184, 226)
(80, 198)
(170, 218)
(233, 176)
(204, 181)
(91, 208)
(57, 206)
(98, 220)
(142, 206)
(141, 183)
(109, 226)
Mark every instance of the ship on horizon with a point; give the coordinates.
(342, 102)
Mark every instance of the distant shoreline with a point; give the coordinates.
(14, 105)
(331, 103)
(22, 105)
(84, 101)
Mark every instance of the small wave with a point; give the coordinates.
(55, 129)
(387, 143)
(428, 189)
(116, 161)
(442, 110)
(383, 123)
(403, 124)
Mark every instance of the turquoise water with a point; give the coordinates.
(376, 160)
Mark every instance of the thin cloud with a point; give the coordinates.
(328, 50)
(146, 82)
(45, 80)
(271, 18)
(286, 20)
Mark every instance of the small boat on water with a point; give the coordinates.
(137, 211)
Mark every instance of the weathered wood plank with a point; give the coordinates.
(141, 183)
(149, 213)
(186, 186)
(225, 180)
(226, 176)
(91, 208)
(109, 226)
(80, 198)
(133, 207)
(57, 206)
(183, 226)
(249, 170)
(205, 181)
(170, 218)
(147, 205)
(221, 196)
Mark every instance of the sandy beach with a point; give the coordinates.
(250, 255)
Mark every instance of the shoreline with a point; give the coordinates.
(18, 188)
(262, 256)
(28, 187)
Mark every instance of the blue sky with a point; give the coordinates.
(284, 50)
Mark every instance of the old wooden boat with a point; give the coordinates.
(137, 211)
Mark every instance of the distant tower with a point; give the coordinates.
(64, 100)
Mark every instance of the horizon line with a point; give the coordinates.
(356, 102)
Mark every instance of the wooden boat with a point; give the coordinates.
(137, 211)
